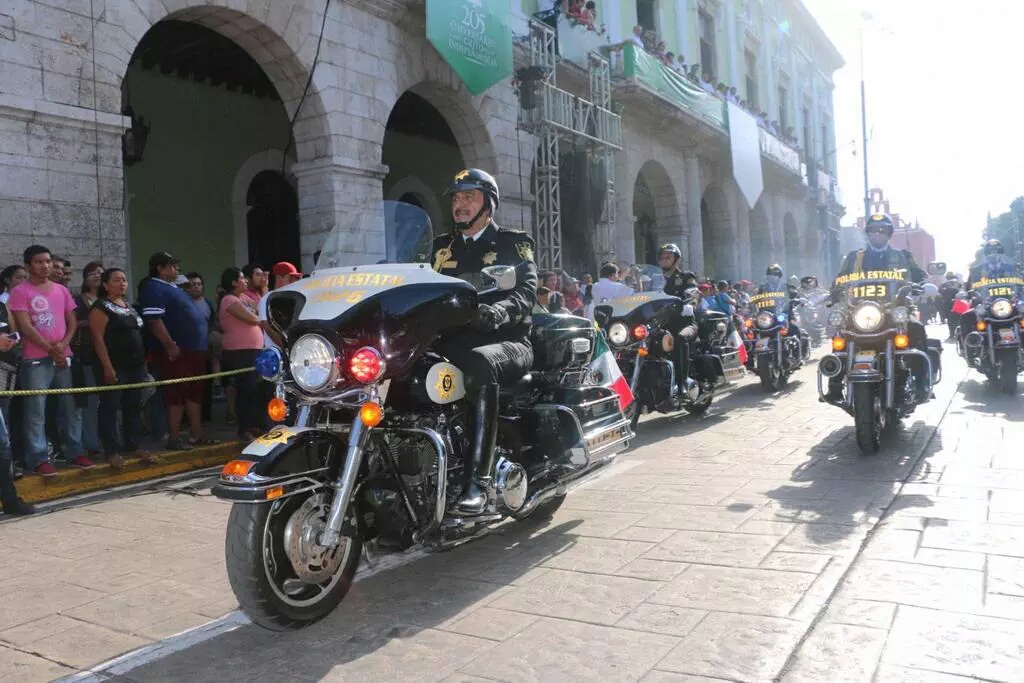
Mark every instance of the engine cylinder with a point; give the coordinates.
(974, 340)
(830, 366)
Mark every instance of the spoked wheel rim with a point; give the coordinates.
(299, 570)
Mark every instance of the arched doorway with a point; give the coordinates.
(760, 242)
(720, 247)
(272, 221)
(645, 226)
(209, 108)
(656, 214)
(422, 156)
(791, 244)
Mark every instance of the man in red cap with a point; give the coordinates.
(285, 274)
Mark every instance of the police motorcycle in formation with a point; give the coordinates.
(990, 335)
(381, 451)
(779, 347)
(882, 364)
(813, 315)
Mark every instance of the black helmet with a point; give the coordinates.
(993, 246)
(670, 249)
(774, 269)
(880, 220)
(475, 179)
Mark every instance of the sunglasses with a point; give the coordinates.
(872, 231)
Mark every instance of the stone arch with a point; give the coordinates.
(271, 44)
(464, 120)
(720, 250)
(760, 240)
(267, 160)
(791, 245)
(427, 197)
(657, 214)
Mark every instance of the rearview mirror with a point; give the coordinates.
(504, 276)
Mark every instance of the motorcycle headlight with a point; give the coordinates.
(765, 320)
(313, 362)
(867, 316)
(1001, 308)
(835, 318)
(618, 334)
(900, 315)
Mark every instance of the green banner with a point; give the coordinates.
(674, 87)
(475, 39)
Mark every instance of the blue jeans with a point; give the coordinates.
(90, 411)
(41, 373)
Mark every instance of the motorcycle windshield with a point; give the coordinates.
(406, 230)
(623, 306)
(999, 288)
(772, 302)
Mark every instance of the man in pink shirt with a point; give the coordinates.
(45, 315)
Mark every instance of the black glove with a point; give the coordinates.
(489, 318)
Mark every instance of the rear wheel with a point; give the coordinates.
(1008, 371)
(867, 418)
(632, 413)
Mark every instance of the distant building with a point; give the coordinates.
(911, 237)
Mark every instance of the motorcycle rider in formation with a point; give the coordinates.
(496, 348)
(774, 282)
(994, 263)
(880, 255)
(682, 284)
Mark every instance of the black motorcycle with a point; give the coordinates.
(812, 316)
(871, 352)
(994, 345)
(777, 354)
(379, 449)
(638, 330)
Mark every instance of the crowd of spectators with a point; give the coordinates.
(52, 338)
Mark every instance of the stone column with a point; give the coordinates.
(693, 222)
(340, 195)
(624, 238)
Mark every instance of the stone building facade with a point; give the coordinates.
(69, 69)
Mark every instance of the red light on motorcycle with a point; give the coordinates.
(371, 414)
(640, 332)
(366, 365)
(748, 323)
(1022, 324)
(642, 352)
(784, 331)
(838, 343)
(750, 335)
(901, 341)
(237, 468)
(277, 409)
(981, 326)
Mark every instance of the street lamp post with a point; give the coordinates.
(864, 121)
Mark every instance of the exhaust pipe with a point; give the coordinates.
(974, 340)
(830, 366)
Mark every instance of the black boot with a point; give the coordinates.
(9, 495)
(485, 431)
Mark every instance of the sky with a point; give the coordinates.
(945, 110)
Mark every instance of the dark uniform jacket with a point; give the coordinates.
(454, 255)
(676, 284)
(862, 260)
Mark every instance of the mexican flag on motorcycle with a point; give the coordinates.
(603, 363)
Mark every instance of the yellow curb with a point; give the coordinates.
(36, 489)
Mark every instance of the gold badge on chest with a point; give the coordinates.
(525, 251)
(442, 258)
(490, 257)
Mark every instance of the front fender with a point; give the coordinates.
(286, 460)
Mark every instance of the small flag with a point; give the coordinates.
(741, 348)
(604, 364)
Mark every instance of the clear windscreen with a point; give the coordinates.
(394, 232)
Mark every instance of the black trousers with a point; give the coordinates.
(247, 401)
(129, 402)
(499, 363)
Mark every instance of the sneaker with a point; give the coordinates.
(83, 463)
(19, 472)
(45, 470)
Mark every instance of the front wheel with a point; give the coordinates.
(1008, 371)
(704, 401)
(282, 577)
(771, 376)
(867, 418)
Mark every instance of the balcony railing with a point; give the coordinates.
(641, 68)
(779, 152)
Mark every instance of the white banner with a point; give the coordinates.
(746, 153)
(779, 151)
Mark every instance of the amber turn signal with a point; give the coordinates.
(237, 468)
(642, 352)
(901, 341)
(277, 409)
(838, 343)
(981, 326)
(275, 492)
(371, 414)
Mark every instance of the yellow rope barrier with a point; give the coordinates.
(122, 387)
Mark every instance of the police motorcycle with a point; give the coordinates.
(869, 370)
(776, 354)
(994, 347)
(378, 449)
(813, 316)
(638, 330)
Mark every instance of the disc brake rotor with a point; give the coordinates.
(312, 562)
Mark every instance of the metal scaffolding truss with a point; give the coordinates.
(560, 115)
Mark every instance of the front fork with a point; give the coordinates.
(345, 484)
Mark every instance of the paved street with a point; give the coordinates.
(754, 544)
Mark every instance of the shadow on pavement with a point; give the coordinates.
(984, 397)
(432, 593)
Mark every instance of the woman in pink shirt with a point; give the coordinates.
(242, 338)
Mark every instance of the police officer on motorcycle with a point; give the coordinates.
(682, 284)
(880, 255)
(496, 348)
(774, 282)
(993, 263)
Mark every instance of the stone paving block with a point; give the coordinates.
(855, 612)
(603, 555)
(735, 647)
(999, 539)
(653, 570)
(838, 653)
(592, 598)
(641, 533)
(960, 644)
(42, 598)
(21, 667)
(828, 539)
(887, 673)
(428, 655)
(697, 517)
(766, 528)
(669, 677)
(714, 547)
(572, 651)
(731, 589)
(1005, 575)
(796, 562)
(591, 523)
(916, 584)
(85, 645)
(962, 509)
(667, 619)
(490, 623)
(710, 494)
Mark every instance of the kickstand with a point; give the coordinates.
(370, 553)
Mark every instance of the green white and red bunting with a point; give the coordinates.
(604, 364)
